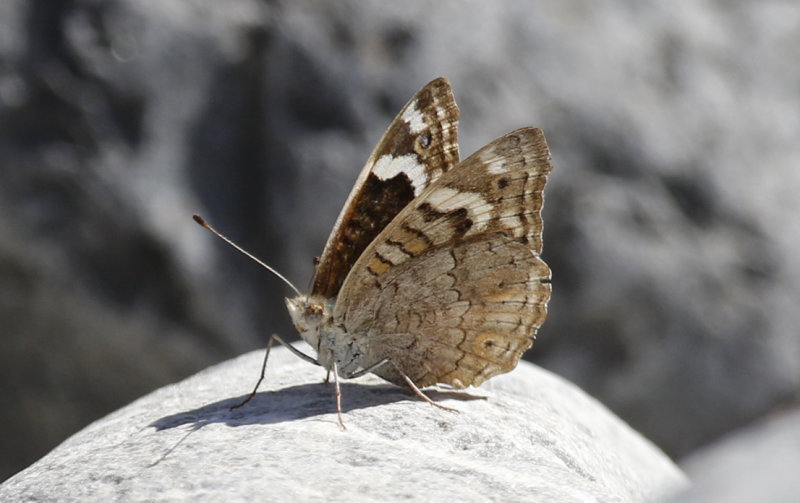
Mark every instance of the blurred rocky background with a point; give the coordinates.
(671, 219)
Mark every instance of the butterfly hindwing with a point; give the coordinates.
(419, 146)
(455, 283)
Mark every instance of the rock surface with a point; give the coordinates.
(671, 217)
(757, 463)
(524, 436)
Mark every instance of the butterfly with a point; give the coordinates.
(432, 272)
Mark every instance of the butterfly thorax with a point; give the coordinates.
(312, 316)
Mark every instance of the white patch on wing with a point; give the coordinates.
(414, 118)
(497, 168)
(511, 220)
(440, 198)
(494, 164)
(446, 199)
(392, 253)
(388, 167)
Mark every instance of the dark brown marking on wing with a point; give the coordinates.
(381, 200)
(429, 213)
(459, 218)
(376, 202)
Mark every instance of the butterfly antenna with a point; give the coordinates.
(203, 223)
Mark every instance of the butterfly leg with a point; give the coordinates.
(422, 395)
(294, 350)
(367, 370)
(337, 392)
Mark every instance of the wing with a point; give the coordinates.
(453, 289)
(420, 145)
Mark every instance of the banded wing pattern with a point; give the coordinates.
(419, 146)
(453, 290)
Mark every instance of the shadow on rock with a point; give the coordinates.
(298, 402)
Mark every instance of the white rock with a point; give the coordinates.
(760, 462)
(528, 435)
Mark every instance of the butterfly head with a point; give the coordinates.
(307, 314)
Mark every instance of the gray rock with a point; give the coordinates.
(524, 436)
(671, 220)
(758, 463)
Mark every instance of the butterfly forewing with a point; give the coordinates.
(419, 146)
(453, 289)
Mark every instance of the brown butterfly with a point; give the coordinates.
(432, 272)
